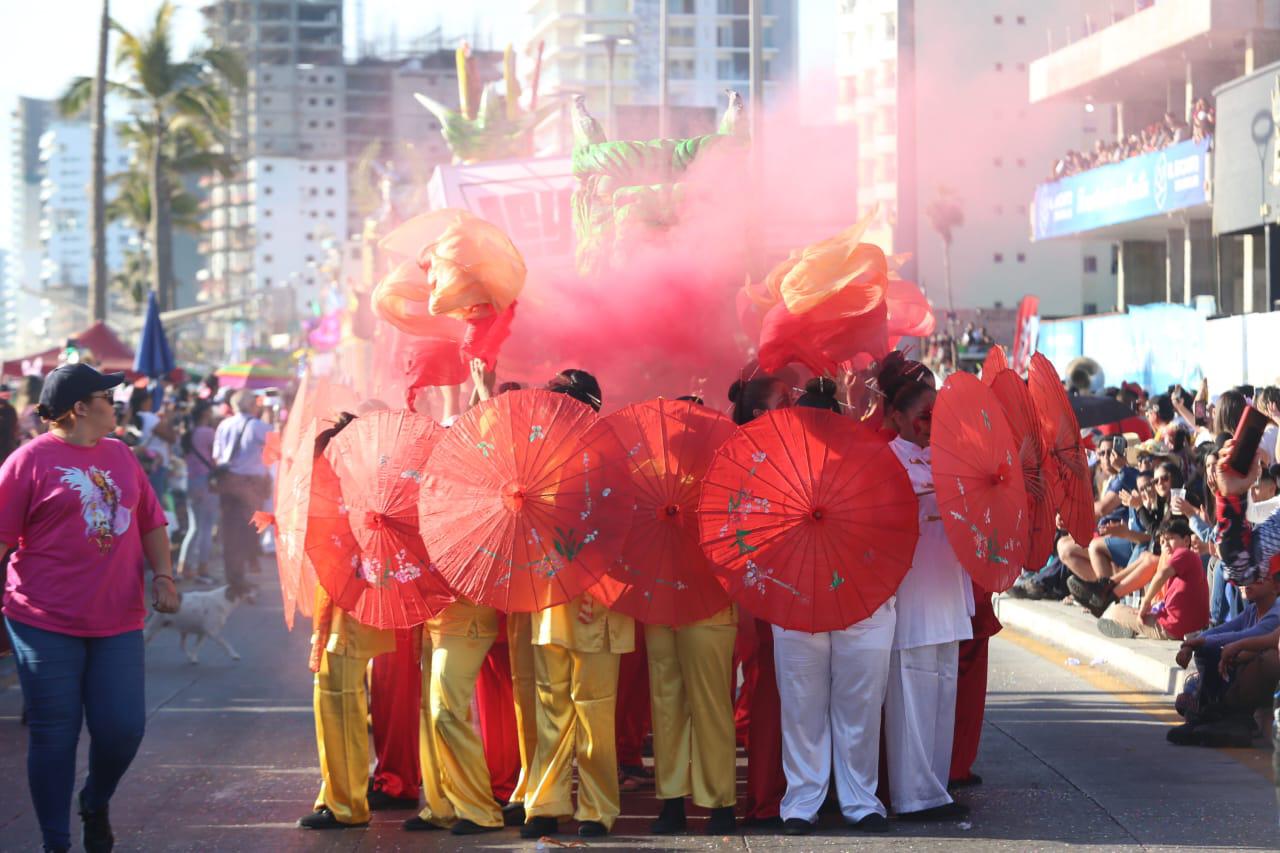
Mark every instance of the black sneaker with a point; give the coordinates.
(468, 827)
(872, 823)
(323, 818)
(1093, 596)
(722, 821)
(671, 818)
(796, 826)
(97, 837)
(536, 827)
(946, 811)
(1183, 735)
(417, 824)
(513, 814)
(1234, 731)
(381, 801)
(592, 829)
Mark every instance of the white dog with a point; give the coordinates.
(202, 614)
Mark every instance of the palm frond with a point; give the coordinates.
(76, 98)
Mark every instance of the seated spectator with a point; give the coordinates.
(1176, 602)
(1237, 669)
(1119, 477)
(1116, 555)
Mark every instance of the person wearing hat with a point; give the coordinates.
(84, 519)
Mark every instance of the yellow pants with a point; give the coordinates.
(694, 751)
(342, 736)
(577, 695)
(524, 690)
(455, 776)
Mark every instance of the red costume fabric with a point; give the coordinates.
(634, 718)
(496, 706)
(765, 781)
(395, 694)
(971, 689)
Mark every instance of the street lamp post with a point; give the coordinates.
(610, 43)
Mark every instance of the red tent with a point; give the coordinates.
(110, 353)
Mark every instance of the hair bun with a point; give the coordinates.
(735, 391)
(822, 386)
(44, 412)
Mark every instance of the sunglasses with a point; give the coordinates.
(1164, 479)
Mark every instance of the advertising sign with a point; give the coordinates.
(1149, 185)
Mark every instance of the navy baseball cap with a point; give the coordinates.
(67, 385)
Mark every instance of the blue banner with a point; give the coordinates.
(1122, 192)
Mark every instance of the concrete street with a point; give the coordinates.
(1072, 756)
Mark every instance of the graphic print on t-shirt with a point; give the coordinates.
(104, 517)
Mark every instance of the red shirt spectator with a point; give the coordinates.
(1186, 596)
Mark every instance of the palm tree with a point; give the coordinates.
(97, 205)
(170, 98)
(945, 215)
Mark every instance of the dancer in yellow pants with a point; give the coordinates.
(524, 692)
(455, 776)
(341, 650)
(691, 689)
(575, 658)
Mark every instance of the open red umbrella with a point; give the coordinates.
(1037, 471)
(662, 576)
(528, 502)
(1070, 465)
(809, 518)
(994, 364)
(978, 477)
(362, 522)
(293, 501)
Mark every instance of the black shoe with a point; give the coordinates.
(796, 826)
(381, 801)
(513, 814)
(536, 827)
(872, 823)
(1234, 731)
(762, 822)
(417, 824)
(671, 818)
(1018, 590)
(468, 827)
(48, 849)
(722, 821)
(946, 811)
(1183, 735)
(970, 781)
(97, 837)
(322, 818)
(1096, 596)
(592, 829)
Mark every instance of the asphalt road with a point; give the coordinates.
(1072, 757)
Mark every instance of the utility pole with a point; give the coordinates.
(756, 69)
(662, 69)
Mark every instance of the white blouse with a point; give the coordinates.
(935, 600)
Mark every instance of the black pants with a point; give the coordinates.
(240, 550)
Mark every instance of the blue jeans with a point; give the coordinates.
(202, 515)
(1224, 598)
(67, 680)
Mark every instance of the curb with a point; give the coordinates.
(1150, 672)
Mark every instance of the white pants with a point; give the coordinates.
(832, 686)
(920, 719)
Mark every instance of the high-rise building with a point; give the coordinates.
(708, 51)
(30, 119)
(938, 91)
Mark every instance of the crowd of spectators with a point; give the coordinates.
(1154, 137)
(1180, 551)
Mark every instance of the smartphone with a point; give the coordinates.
(1247, 438)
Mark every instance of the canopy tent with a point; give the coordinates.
(110, 353)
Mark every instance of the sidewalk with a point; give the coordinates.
(1147, 662)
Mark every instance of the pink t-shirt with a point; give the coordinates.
(77, 516)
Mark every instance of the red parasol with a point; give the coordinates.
(809, 518)
(292, 504)
(994, 364)
(1069, 470)
(1037, 471)
(528, 501)
(362, 522)
(662, 577)
(910, 314)
(978, 477)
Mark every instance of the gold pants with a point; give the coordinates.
(577, 695)
(525, 692)
(694, 752)
(342, 736)
(455, 776)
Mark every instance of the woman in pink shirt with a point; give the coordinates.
(79, 510)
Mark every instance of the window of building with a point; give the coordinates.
(328, 214)
(266, 190)
(998, 257)
(680, 69)
(999, 19)
(311, 102)
(313, 192)
(329, 169)
(999, 66)
(999, 209)
(733, 7)
(1022, 210)
(313, 124)
(266, 213)
(1022, 66)
(998, 162)
(682, 7)
(313, 169)
(1022, 257)
(328, 78)
(1021, 162)
(315, 214)
(1090, 263)
(266, 236)
(681, 36)
(267, 167)
(328, 102)
(266, 259)
(328, 123)
(266, 78)
(1022, 20)
(328, 191)
(310, 259)
(267, 281)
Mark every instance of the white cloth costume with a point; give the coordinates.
(831, 686)
(935, 608)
